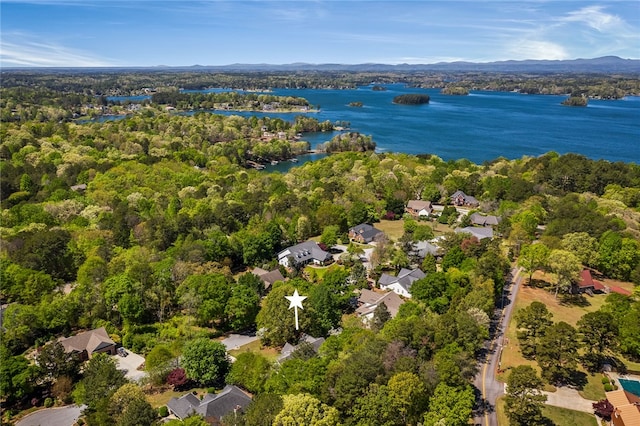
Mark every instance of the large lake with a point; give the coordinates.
(481, 126)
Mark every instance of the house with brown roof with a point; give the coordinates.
(268, 278)
(459, 198)
(626, 408)
(369, 300)
(88, 343)
(418, 208)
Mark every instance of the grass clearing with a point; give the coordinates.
(392, 228)
(159, 399)
(501, 413)
(256, 346)
(593, 390)
(566, 417)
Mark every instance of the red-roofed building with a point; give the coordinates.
(587, 284)
(620, 290)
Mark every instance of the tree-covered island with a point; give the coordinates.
(411, 99)
(150, 234)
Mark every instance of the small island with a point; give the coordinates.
(378, 88)
(455, 90)
(411, 99)
(579, 101)
(356, 104)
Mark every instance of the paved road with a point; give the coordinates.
(490, 388)
(62, 416)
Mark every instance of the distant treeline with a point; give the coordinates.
(135, 82)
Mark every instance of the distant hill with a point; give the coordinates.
(605, 64)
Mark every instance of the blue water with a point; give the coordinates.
(632, 386)
(481, 126)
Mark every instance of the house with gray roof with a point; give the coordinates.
(478, 232)
(423, 248)
(400, 284)
(88, 343)
(288, 349)
(212, 407)
(484, 220)
(364, 233)
(304, 253)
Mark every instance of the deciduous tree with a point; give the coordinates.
(524, 399)
(205, 361)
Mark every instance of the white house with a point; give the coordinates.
(304, 253)
(402, 283)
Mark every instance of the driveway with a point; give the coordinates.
(130, 364)
(234, 341)
(569, 398)
(59, 416)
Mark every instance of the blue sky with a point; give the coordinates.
(182, 33)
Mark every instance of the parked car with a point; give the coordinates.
(122, 352)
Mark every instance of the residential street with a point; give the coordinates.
(60, 416)
(490, 388)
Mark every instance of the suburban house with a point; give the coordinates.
(400, 284)
(479, 233)
(459, 198)
(423, 248)
(363, 233)
(304, 253)
(212, 407)
(484, 220)
(626, 408)
(587, 284)
(88, 343)
(369, 300)
(418, 208)
(288, 349)
(268, 277)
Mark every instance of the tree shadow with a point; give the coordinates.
(574, 300)
(578, 379)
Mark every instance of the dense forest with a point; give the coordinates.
(149, 226)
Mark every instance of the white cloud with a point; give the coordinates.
(596, 18)
(33, 53)
(536, 49)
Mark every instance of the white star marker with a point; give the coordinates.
(296, 302)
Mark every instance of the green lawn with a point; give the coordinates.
(593, 390)
(566, 417)
(256, 346)
(159, 399)
(559, 416)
